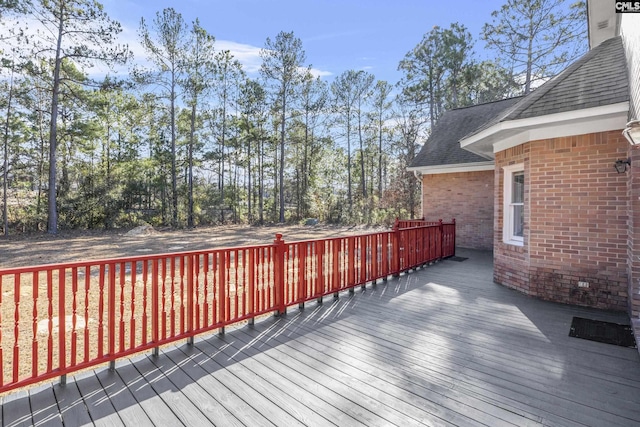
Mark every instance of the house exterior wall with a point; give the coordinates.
(631, 39)
(633, 248)
(510, 263)
(576, 221)
(465, 196)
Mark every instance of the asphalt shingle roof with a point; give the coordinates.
(598, 78)
(443, 148)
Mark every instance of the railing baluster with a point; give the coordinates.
(195, 277)
(163, 298)
(173, 298)
(1, 342)
(236, 281)
(74, 313)
(62, 348)
(16, 326)
(335, 254)
(111, 317)
(122, 322)
(49, 320)
(145, 319)
(34, 345)
(226, 284)
(87, 281)
(132, 319)
(205, 294)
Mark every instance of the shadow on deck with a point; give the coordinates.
(439, 346)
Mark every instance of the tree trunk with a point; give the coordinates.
(174, 175)
(261, 181)
(52, 223)
(349, 198)
(306, 167)
(363, 182)
(380, 156)
(281, 172)
(527, 83)
(192, 132)
(222, 148)
(5, 169)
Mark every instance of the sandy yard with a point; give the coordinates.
(68, 246)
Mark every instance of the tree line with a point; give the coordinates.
(192, 139)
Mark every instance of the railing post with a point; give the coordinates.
(155, 318)
(320, 267)
(351, 263)
(190, 307)
(302, 276)
(252, 286)
(62, 364)
(395, 250)
(278, 274)
(222, 291)
(111, 321)
(441, 249)
(453, 220)
(337, 244)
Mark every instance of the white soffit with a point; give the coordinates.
(459, 167)
(511, 133)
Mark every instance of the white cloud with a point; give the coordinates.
(320, 73)
(247, 55)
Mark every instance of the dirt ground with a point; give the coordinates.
(68, 246)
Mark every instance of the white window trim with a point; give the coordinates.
(507, 212)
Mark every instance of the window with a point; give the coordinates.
(513, 227)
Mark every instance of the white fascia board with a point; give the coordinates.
(459, 167)
(577, 122)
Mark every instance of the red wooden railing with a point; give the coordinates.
(60, 318)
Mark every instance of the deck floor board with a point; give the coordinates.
(441, 345)
(16, 409)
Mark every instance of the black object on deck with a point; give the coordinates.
(606, 332)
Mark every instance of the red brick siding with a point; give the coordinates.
(633, 247)
(511, 263)
(575, 221)
(467, 197)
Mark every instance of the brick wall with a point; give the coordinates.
(467, 197)
(576, 221)
(510, 263)
(633, 247)
(631, 38)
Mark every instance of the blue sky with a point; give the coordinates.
(337, 35)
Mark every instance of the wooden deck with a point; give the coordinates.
(440, 346)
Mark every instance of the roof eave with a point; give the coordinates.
(453, 168)
(511, 133)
